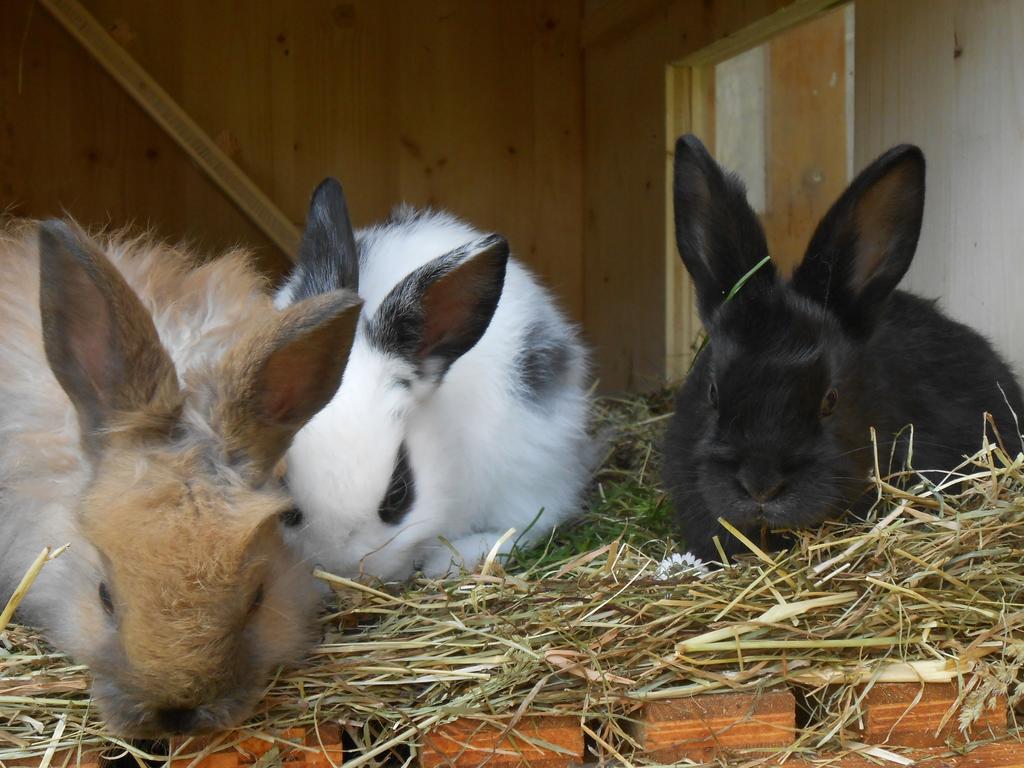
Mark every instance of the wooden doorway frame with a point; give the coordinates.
(689, 108)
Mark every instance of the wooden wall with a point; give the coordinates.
(630, 304)
(472, 106)
(949, 76)
(480, 106)
(806, 133)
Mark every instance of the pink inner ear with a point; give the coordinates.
(877, 218)
(295, 382)
(445, 311)
(90, 340)
(278, 404)
(449, 304)
(286, 380)
(88, 328)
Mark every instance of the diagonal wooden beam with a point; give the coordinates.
(159, 105)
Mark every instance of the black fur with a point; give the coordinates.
(433, 336)
(754, 439)
(717, 246)
(543, 362)
(401, 491)
(404, 215)
(828, 273)
(328, 258)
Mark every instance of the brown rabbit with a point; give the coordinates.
(144, 404)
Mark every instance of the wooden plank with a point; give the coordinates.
(466, 743)
(165, 111)
(762, 29)
(740, 119)
(984, 260)
(490, 125)
(681, 323)
(323, 743)
(75, 143)
(805, 133)
(690, 97)
(606, 20)
(1004, 754)
(1000, 754)
(59, 759)
(310, 91)
(298, 91)
(702, 728)
(554, 224)
(904, 77)
(946, 74)
(909, 715)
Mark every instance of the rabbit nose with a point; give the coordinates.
(761, 490)
(177, 719)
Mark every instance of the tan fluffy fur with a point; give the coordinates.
(177, 512)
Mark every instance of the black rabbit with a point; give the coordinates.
(772, 427)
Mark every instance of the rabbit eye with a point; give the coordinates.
(713, 395)
(291, 518)
(828, 403)
(257, 600)
(106, 600)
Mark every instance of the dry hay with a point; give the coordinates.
(929, 589)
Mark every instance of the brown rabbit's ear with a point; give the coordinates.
(284, 373)
(100, 341)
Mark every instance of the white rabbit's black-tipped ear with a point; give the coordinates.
(99, 339)
(328, 259)
(718, 235)
(439, 312)
(864, 245)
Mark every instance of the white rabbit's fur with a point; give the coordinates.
(499, 439)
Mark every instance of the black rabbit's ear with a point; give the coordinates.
(865, 243)
(718, 235)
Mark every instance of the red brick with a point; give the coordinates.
(703, 727)
(467, 743)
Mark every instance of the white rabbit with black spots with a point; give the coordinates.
(462, 412)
